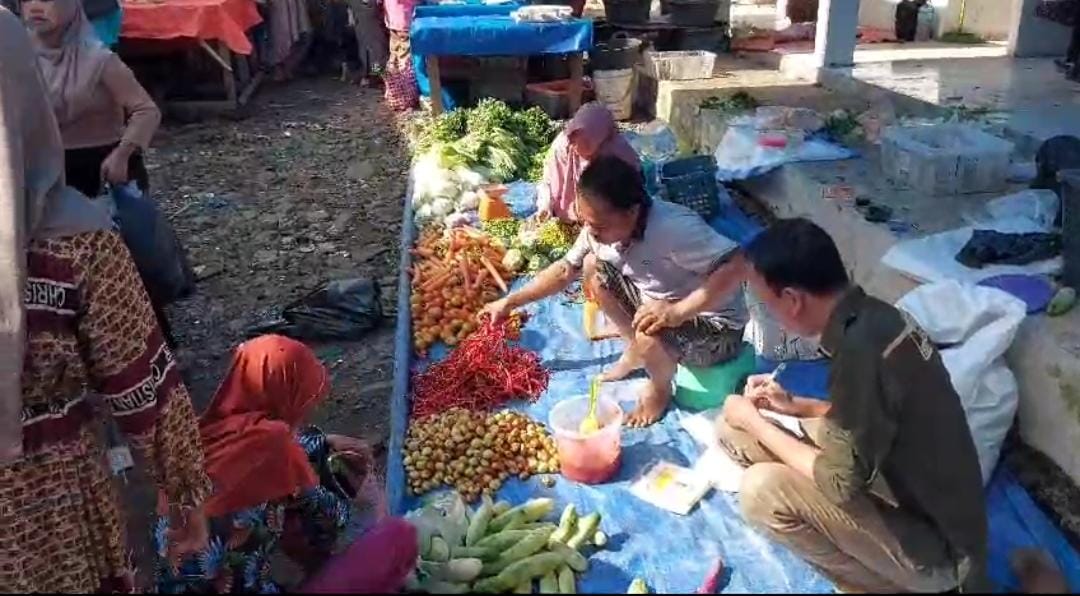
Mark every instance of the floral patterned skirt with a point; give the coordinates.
(400, 52)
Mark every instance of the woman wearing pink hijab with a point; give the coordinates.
(590, 134)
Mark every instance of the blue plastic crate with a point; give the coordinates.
(692, 182)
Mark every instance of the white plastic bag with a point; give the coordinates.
(770, 339)
(977, 324)
(1040, 206)
(656, 142)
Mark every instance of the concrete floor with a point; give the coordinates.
(1041, 100)
(1036, 102)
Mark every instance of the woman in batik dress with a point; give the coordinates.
(74, 319)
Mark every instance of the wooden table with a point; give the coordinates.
(218, 28)
(499, 35)
(576, 62)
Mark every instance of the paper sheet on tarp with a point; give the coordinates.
(497, 35)
(209, 20)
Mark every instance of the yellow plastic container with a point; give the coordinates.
(596, 323)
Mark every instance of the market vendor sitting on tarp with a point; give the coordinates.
(648, 264)
(589, 135)
(884, 492)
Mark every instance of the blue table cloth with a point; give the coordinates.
(497, 35)
(670, 552)
(470, 9)
(486, 30)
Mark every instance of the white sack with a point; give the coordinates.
(973, 326)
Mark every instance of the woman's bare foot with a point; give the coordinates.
(652, 404)
(628, 363)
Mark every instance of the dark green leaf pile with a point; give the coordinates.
(506, 144)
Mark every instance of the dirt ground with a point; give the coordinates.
(306, 190)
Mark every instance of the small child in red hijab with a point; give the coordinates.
(272, 491)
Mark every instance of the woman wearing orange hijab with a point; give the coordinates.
(277, 485)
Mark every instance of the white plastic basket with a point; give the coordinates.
(680, 66)
(945, 159)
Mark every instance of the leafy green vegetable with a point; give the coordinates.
(533, 127)
(536, 165)
(738, 102)
(842, 126)
(488, 115)
(444, 128)
(506, 229)
(493, 138)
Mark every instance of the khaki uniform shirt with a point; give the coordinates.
(896, 429)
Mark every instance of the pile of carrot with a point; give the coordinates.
(454, 273)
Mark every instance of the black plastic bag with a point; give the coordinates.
(990, 247)
(160, 258)
(341, 310)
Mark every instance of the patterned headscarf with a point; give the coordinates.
(35, 203)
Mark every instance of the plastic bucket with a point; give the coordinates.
(628, 12)
(706, 388)
(615, 89)
(621, 51)
(594, 458)
(693, 13)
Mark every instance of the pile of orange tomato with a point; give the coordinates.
(454, 273)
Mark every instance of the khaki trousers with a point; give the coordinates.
(855, 544)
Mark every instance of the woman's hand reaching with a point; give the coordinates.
(354, 451)
(114, 170)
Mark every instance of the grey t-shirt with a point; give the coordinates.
(676, 253)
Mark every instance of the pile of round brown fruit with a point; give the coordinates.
(475, 452)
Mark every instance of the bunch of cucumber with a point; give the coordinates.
(507, 549)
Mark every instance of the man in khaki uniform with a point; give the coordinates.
(883, 492)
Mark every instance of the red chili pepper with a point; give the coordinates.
(712, 580)
(484, 371)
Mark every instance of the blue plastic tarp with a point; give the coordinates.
(673, 553)
(497, 35)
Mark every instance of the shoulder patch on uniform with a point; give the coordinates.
(918, 336)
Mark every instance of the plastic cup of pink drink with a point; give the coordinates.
(588, 458)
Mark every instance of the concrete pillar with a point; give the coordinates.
(1031, 36)
(782, 21)
(837, 26)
